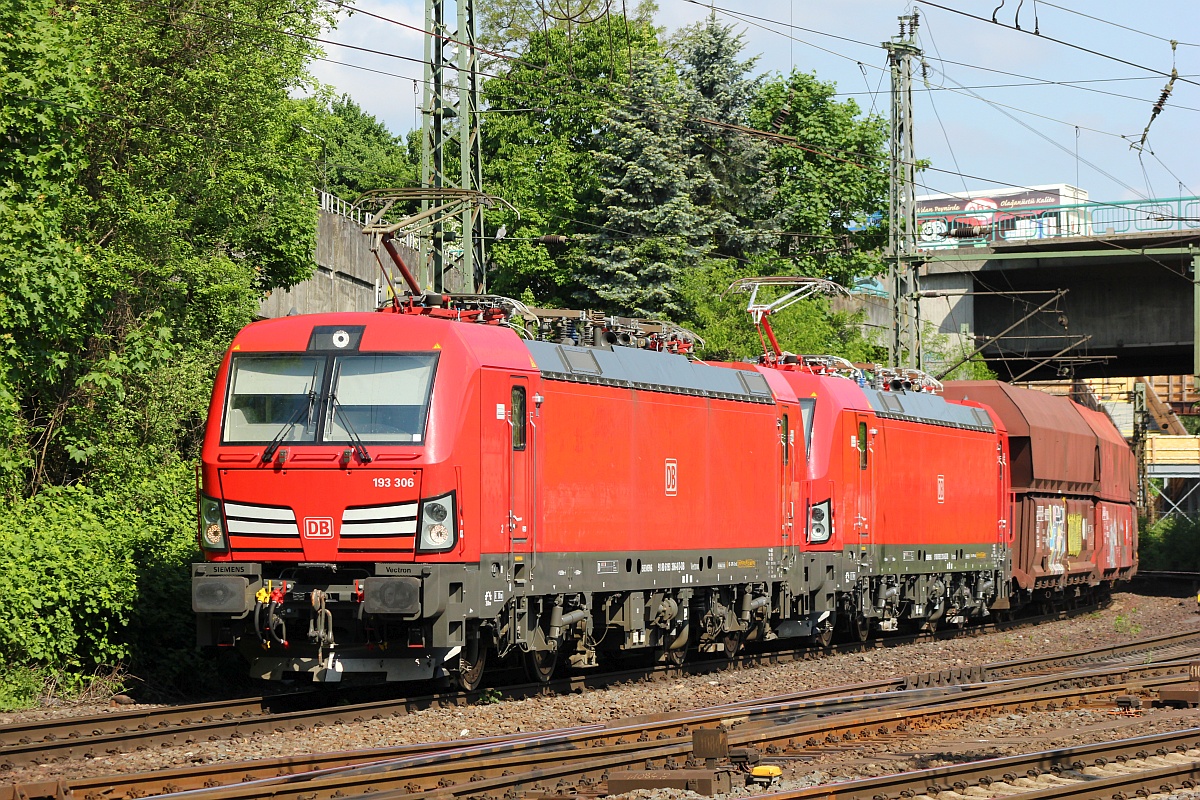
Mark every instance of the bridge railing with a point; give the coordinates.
(936, 229)
(333, 204)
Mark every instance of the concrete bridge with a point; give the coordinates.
(1097, 289)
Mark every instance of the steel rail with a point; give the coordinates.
(96, 735)
(51, 730)
(580, 765)
(565, 756)
(815, 701)
(1010, 769)
(178, 779)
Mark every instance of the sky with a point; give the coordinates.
(1003, 107)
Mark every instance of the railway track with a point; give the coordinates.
(583, 756)
(53, 741)
(1139, 767)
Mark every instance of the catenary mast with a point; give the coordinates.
(904, 348)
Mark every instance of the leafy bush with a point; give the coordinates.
(1171, 544)
(89, 581)
(21, 687)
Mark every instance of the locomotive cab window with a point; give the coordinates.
(368, 397)
(274, 397)
(518, 418)
(379, 397)
(783, 437)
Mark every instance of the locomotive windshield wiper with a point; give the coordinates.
(304, 410)
(360, 449)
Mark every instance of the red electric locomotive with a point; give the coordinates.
(401, 495)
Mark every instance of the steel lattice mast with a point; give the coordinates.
(904, 349)
(451, 112)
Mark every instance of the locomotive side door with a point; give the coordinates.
(520, 482)
(864, 516)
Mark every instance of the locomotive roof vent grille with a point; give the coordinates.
(630, 368)
(755, 383)
(928, 409)
(580, 361)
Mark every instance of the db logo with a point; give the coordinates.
(672, 477)
(318, 528)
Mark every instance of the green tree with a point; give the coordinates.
(46, 66)
(545, 114)
(732, 180)
(168, 183)
(828, 183)
(156, 177)
(651, 229)
(808, 327)
(357, 151)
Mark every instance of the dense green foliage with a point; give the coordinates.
(1171, 544)
(163, 162)
(155, 180)
(92, 580)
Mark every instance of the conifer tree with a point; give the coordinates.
(652, 230)
(545, 114)
(734, 184)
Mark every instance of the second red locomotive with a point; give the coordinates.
(401, 495)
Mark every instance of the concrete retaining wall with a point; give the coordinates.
(348, 277)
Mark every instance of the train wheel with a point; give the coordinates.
(822, 637)
(861, 628)
(732, 640)
(540, 665)
(471, 663)
(674, 658)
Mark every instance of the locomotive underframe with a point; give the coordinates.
(405, 622)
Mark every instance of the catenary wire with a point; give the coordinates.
(791, 141)
(1118, 25)
(1002, 109)
(937, 115)
(1058, 41)
(393, 55)
(744, 17)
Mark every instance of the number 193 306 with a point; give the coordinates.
(398, 483)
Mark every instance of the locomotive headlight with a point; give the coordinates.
(438, 524)
(212, 527)
(438, 535)
(820, 522)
